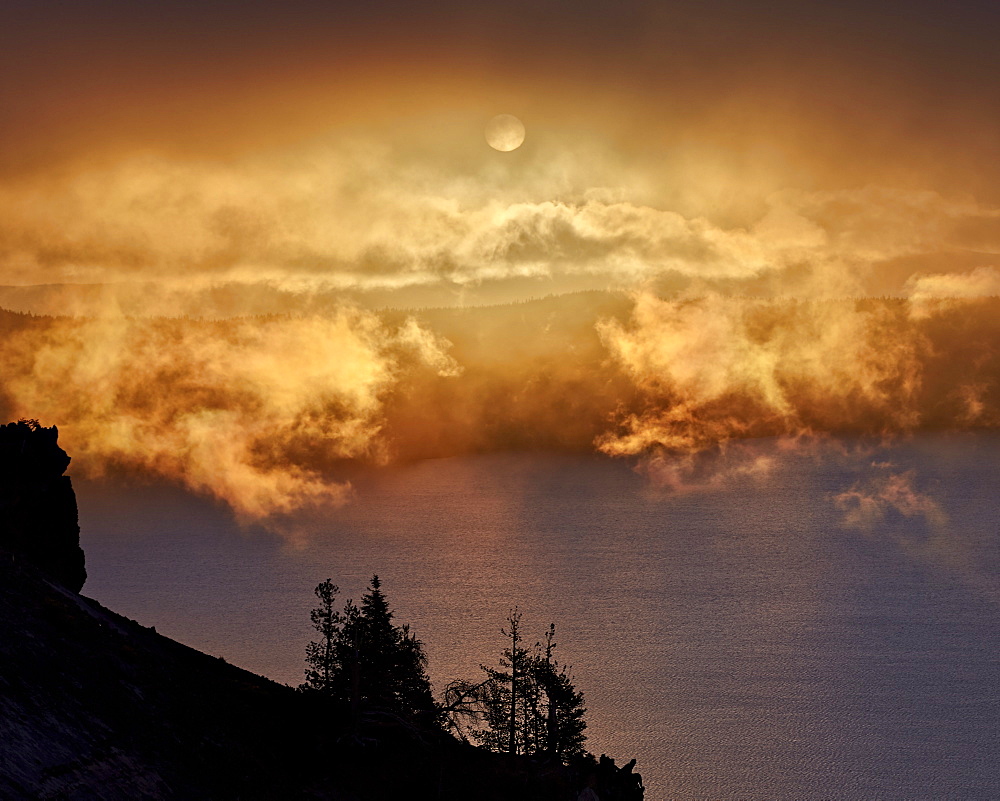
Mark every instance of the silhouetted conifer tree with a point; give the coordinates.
(564, 710)
(504, 696)
(321, 655)
(366, 661)
(391, 662)
(528, 704)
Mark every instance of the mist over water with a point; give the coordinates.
(820, 629)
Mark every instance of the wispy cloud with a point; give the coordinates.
(867, 503)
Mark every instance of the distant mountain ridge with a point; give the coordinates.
(225, 299)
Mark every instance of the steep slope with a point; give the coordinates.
(95, 706)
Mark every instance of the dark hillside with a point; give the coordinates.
(93, 705)
(96, 706)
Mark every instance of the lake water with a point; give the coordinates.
(738, 638)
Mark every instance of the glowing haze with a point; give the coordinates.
(221, 213)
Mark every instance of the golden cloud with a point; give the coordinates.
(741, 323)
(357, 213)
(245, 410)
(261, 412)
(716, 368)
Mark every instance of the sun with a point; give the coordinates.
(505, 132)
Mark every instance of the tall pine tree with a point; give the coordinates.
(321, 654)
(392, 665)
(365, 661)
(564, 710)
(527, 705)
(503, 696)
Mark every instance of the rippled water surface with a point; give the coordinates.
(825, 628)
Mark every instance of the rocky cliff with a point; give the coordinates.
(38, 514)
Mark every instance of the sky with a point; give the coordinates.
(167, 169)
(316, 146)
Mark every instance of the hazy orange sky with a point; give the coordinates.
(768, 146)
(220, 159)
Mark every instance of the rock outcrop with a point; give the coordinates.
(38, 514)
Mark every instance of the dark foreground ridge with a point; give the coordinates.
(95, 706)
